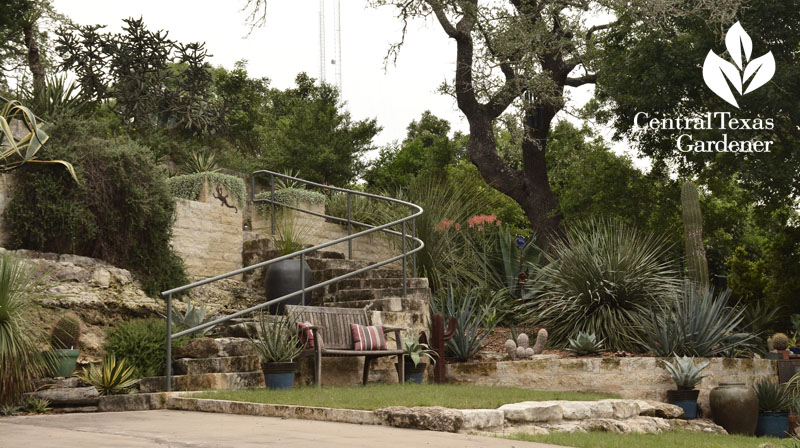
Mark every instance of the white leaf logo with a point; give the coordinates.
(720, 74)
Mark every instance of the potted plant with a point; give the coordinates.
(277, 345)
(686, 375)
(793, 347)
(291, 275)
(794, 411)
(774, 402)
(64, 342)
(415, 351)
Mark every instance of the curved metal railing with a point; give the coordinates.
(417, 245)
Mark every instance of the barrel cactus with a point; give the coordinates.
(780, 341)
(66, 333)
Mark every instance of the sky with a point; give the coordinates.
(289, 43)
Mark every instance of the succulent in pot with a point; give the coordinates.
(64, 340)
(774, 402)
(416, 351)
(585, 343)
(278, 345)
(686, 374)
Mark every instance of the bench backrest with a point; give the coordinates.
(335, 322)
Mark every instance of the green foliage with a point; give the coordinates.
(603, 277)
(696, 264)
(21, 358)
(112, 377)
(289, 196)
(759, 319)
(465, 305)
(585, 343)
(66, 333)
(415, 350)
(194, 316)
(10, 410)
(188, 186)
(362, 209)
(685, 372)
(122, 212)
(291, 234)
(278, 340)
(142, 342)
(772, 397)
(57, 99)
(35, 405)
(201, 162)
(696, 323)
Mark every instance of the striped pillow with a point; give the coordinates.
(368, 338)
(307, 335)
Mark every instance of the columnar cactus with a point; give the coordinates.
(521, 349)
(696, 263)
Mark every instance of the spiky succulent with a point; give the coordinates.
(585, 343)
(772, 397)
(685, 372)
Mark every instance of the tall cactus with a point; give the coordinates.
(696, 263)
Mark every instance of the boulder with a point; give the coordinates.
(532, 411)
(198, 348)
(69, 396)
(434, 418)
(658, 409)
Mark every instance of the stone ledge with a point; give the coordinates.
(135, 402)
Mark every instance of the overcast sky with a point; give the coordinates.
(289, 43)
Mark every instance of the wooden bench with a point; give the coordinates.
(333, 324)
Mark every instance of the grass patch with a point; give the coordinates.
(672, 439)
(384, 395)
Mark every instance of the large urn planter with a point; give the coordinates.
(686, 399)
(279, 375)
(286, 277)
(734, 406)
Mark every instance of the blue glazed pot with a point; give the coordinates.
(279, 375)
(795, 350)
(773, 424)
(413, 374)
(686, 399)
(689, 408)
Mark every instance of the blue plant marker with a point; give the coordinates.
(520, 241)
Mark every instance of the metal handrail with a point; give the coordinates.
(418, 244)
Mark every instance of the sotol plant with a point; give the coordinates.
(585, 343)
(685, 372)
(772, 397)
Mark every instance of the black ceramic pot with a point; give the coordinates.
(284, 277)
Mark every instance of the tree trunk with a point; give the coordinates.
(34, 59)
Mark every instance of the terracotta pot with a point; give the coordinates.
(792, 425)
(735, 407)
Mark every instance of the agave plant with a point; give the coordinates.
(20, 146)
(465, 305)
(416, 350)
(111, 377)
(21, 358)
(685, 372)
(192, 317)
(201, 162)
(278, 340)
(772, 397)
(696, 323)
(603, 277)
(585, 343)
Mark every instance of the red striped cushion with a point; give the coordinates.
(368, 338)
(307, 336)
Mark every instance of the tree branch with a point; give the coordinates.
(589, 78)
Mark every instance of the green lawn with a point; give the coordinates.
(673, 439)
(381, 396)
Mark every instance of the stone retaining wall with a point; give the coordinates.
(208, 237)
(639, 378)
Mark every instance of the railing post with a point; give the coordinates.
(349, 228)
(168, 372)
(414, 257)
(303, 278)
(403, 244)
(272, 202)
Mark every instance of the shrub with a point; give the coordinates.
(142, 342)
(695, 323)
(362, 209)
(21, 358)
(188, 186)
(121, 212)
(603, 278)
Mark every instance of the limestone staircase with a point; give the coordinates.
(227, 361)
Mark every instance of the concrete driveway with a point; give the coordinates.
(205, 430)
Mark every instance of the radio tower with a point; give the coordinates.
(337, 43)
(322, 61)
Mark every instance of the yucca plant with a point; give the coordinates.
(585, 343)
(58, 98)
(772, 397)
(35, 405)
(111, 377)
(21, 357)
(192, 317)
(277, 339)
(21, 138)
(465, 305)
(695, 323)
(685, 372)
(604, 277)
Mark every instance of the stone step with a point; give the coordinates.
(377, 283)
(235, 346)
(320, 264)
(348, 295)
(206, 381)
(327, 274)
(228, 364)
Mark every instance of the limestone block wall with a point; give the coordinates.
(208, 237)
(642, 378)
(373, 247)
